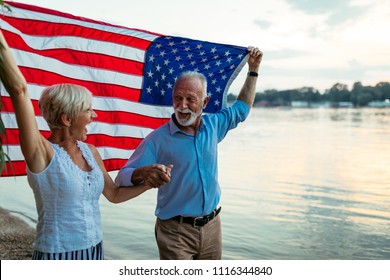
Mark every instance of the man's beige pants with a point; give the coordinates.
(181, 241)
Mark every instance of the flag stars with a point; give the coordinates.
(171, 57)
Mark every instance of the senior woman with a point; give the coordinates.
(66, 175)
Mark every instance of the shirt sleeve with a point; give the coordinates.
(142, 156)
(123, 178)
(230, 117)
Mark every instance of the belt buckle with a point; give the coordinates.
(199, 219)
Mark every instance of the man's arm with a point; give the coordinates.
(142, 169)
(153, 175)
(248, 91)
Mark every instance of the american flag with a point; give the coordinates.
(130, 72)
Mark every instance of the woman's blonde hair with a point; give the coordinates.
(63, 99)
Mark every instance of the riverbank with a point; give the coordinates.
(16, 237)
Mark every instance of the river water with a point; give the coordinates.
(297, 184)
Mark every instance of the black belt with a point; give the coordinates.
(198, 221)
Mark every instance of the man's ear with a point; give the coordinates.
(205, 101)
(65, 120)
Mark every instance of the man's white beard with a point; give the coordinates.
(192, 118)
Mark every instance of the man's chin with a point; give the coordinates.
(184, 122)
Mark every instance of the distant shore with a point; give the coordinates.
(16, 237)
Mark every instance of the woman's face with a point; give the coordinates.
(78, 128)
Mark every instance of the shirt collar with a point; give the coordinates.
(173, 128)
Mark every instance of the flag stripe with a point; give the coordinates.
(127, 118)
(35, 27)
(117, 130)
(103, 103)
(105, 152)
(78, 72)
(18, 167)
(96, 139)
(30, 12)
(97, 88)
(130, 63)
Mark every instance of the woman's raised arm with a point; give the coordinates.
(35, 147)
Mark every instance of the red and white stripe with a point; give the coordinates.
(51, 47)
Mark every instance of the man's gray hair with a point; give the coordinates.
(193, 74)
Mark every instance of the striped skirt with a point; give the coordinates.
(94, 253)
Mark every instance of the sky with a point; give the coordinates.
(306, 43)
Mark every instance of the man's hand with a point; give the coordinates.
(254, 60)
(154, 175)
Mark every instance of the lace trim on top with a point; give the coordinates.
(88, 156)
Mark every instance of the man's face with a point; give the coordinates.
(187, 101)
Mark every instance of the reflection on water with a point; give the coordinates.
(315, 183)
(296, 184)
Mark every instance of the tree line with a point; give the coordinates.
(358, 96)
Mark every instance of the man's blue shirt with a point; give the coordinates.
(194, 189)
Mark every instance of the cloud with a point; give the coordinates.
(319, 6)
(285, 53)
(264, 24)
(338, 11)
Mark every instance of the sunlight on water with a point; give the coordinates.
(296, 184)
(316, 181)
